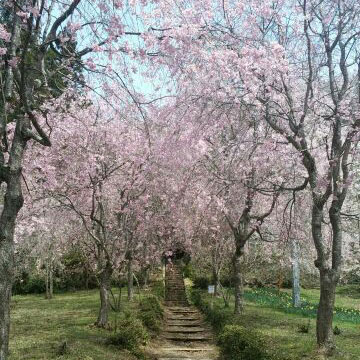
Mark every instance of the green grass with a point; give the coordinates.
(346, 308)
(40, 326)
(280, 325)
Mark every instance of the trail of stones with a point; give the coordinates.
(185, 335)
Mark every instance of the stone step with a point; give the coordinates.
(184, 329)
(176, 357)
(183, 311)
(182, 302)
(186, 337)
(189, 349)
(184, 317)
(184, 323)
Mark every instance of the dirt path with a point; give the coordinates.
(185, 335)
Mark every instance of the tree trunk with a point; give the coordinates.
(48, 280)
(130, 282)
(216, 281)
(295, 265)
(86, 274)
(12, 204)
(47, 296)
(215, 272)
(146, 276)
(324, 329)
(239, 286)
(6, 275)
(105, 283)
(51, 282)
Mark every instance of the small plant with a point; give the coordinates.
(237, 342)
(152, 303)
(337, 331)
(304, 328)
(131, 334)
(63, 349)
(151, 312)
(201, 282)
(158, 289)
(150, 320)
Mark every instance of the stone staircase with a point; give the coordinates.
(185, 335)
(175, 294)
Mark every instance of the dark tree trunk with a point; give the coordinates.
(329, 276)
(238, 282)
(130, 282)
(215, 272)
(216, 281)
(105, 283)
(146, 276)
(6, 275)
(49, 281)
(12, 204)
(324, 321)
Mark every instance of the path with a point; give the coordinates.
(185, 335)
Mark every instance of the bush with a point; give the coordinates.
(201, 282)
(152, 303)
(34, 284)
(304, 328)
(151, 312)
(239, 343)
(150, 321)
(131, 334)
(158, 289)
(188, 271)
(217, 316)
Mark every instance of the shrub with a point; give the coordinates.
(152, 303)
(158, 289)
(304, 328)
(217, 316)
(201, 282)
(150, 321)
(239, 343)
(131, 334)
(151, 312)
(188, 271)
(34, 284)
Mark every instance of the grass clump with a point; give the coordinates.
(218, 317)
(239, 343)
(151, 312)
(130, 336)
(304, 328)
(158, 289)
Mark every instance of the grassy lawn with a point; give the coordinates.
(282, 327)
(346, 296)
(40, 326)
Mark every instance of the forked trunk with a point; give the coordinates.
(324, 321)
(238, 282)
